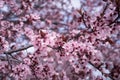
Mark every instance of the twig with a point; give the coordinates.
(15, 58)
(9, 63)
(100, 70)
(105, 8)
(84, 21)
(114, 20)
(89, 62)
(17, 50)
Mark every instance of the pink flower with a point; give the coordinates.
(35, 16)
(21, 71)
(1, 3)
(5, 24)
(27, 61)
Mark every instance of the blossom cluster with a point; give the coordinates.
(58, 40)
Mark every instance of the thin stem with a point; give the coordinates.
(100, 70)
(105, 8)
(114, 20)
(15, 58)
(17, 50)
(9, 63)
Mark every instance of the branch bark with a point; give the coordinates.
(100, 70)
(17, 50)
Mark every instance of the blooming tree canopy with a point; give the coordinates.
(59, 39)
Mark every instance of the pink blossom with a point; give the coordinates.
(1, 3)
(21, 71)
(52, 40)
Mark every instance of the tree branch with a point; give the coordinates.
(104, 10)
(17, 50)
(100, 70)
(114, 20)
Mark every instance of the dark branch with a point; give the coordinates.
(114, 20)
(17, 50)
(100, 70)
(104, 10)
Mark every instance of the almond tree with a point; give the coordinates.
(57, 40)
